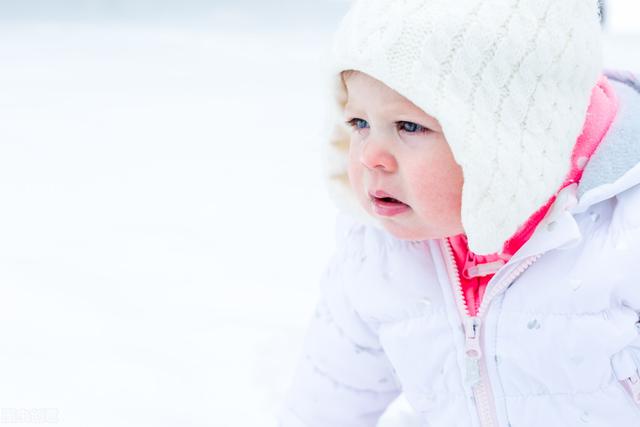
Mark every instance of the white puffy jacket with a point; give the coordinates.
(557, 333)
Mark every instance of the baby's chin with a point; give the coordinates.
(410, 232)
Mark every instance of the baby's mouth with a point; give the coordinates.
(389, 200)
(382, 197)
(386, 205)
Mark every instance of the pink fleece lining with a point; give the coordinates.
(602, 110)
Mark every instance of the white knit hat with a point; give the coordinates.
(509, 81)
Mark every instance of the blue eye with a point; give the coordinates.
(411, 127)
(358, 123)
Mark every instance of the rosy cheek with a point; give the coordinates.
(354, 173)
(437, 183)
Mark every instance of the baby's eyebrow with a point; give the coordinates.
(349, 109)
(401, 108)
(392, 108)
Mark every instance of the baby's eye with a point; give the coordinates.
(358, 123)
(411, 127)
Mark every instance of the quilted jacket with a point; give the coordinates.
(556, 341)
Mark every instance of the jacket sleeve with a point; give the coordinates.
(343, 378)
(623, 266)
(626, 237)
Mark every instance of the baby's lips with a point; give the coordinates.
(379, 194)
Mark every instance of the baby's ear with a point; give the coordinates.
(344, 75)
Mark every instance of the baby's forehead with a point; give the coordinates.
(364, 91)
(359, 86)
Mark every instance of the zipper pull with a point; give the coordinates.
(633, 383)
(472, 338)
(472, 349)
(481, 270)
(473, 371)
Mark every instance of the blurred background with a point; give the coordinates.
(163, 220)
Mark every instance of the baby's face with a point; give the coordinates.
(400, 165)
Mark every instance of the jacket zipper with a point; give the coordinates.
(633, 386)
(477, 375)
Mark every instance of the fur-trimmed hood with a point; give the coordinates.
(604, 175)
(509, 82)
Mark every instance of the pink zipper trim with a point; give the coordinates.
(477, 375)
(633, 385)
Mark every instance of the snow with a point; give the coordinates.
(164, 223)
(622, 16)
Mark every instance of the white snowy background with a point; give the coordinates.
(163, 221)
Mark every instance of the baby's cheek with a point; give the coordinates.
(438, 187)
(354, 173)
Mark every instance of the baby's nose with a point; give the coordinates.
(376, 155)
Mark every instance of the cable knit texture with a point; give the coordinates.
(559, 343)
(602, 111)
(509, 81)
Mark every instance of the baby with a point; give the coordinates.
(400, 165)
(489, 176)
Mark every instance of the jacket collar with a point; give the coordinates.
(613, 168)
